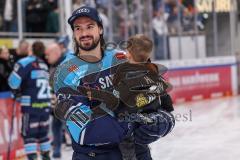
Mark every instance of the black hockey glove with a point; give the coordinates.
(166, 103)
(138, 85)
(148, 133)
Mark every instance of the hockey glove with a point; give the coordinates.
(163, 124)
(166, 103)
(138, 85)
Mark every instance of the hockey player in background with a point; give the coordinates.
(30, 81)
(95, 131)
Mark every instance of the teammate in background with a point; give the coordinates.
(29, 79)
(96, 137)
(63, 42)
(55, 54)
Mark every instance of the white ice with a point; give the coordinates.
(213, 133)
(205, 130)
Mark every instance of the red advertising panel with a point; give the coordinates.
(10, 138)
(200, 82)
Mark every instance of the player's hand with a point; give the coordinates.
(148, 133)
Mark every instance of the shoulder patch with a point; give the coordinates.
(68, 57)
(27, 60)
(73, 68)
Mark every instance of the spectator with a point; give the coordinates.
(160, 32)
(37, 11)
(105, 22)
(1, 14)
(52, 25)
(102, 3)
(79, 3)
(172, 9)
(5, 69)
(9, 15)
(21, 52)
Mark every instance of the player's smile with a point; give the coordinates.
(87, 33)
(87, 40)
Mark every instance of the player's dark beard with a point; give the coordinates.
(88, 48)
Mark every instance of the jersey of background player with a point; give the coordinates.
(30, 76)
(74, 72)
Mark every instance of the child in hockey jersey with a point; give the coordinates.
(138, 51)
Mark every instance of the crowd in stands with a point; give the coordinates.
(169, 17)
(38, 15)
(43, 15)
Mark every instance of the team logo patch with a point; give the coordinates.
(72, 68)
(141, 100)
(83, 10)
(120, 56)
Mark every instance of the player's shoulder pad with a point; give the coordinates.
(68, 56)
(69, 51)
(26, 60)
(63, 71)
(115, 56)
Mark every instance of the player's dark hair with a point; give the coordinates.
(38, 49)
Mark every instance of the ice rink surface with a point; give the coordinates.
(205, 130)
(213, 133)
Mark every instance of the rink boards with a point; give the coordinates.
(6, 111)
(191, 79)
(197, 79)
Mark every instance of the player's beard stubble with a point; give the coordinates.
(87, 46)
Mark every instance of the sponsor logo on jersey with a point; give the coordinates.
(41, 105)
(83, 10)
(73, 68)
(141, 100)
(105, 82)
(120, 55)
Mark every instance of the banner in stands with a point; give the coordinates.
(10, 138)
(202, 78)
